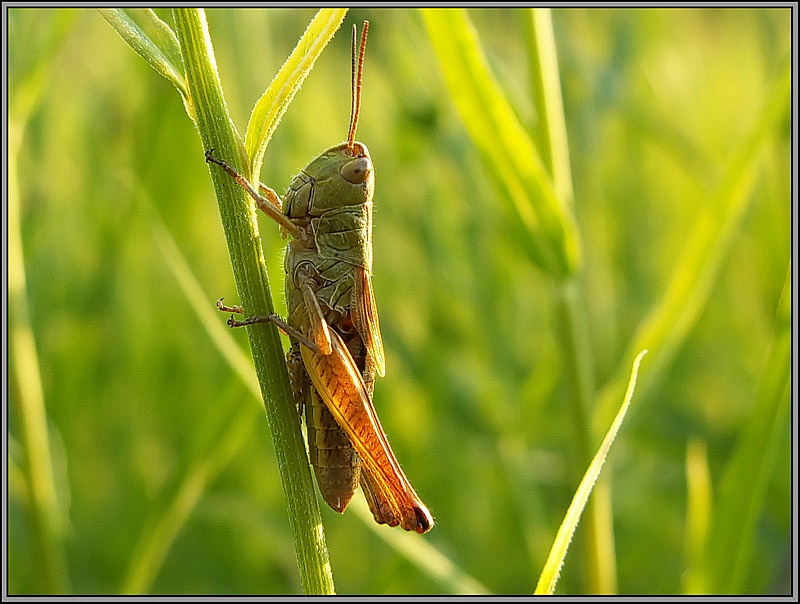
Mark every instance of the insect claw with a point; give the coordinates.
(234, 309)
(424, 520)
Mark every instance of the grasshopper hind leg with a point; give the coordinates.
(297, 377)
(336, 464)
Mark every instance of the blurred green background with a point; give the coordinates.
(159, 453)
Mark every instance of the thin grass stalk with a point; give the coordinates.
(706, 246)
(551, 136)
(27, 396)
(46, 518)
(249, 269)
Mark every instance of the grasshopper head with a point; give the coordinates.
(341, 176)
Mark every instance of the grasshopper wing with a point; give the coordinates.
(391, 497)
(365, 318)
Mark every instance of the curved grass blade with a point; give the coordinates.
(508, 151)
(555, 560)
(155, 42)
(707, 245)
(745, 480)
(45, 510)
(270, 108)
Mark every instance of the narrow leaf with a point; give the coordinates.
(551, 133)
(555, 560)
(705, 247)
(508, 151)
(154, 41)
(744, 485)
(698, 514)
(270, 108)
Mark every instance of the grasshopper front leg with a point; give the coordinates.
(269, 203)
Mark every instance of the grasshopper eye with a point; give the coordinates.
(356, 171)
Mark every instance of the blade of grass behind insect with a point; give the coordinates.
(743, 488)
(154, 41)
(207, 313)
(160, 532)
(707, 245)
(270, 108)
(509, 154)
(555, 560)
(698, 515)
(249, 270)
(422, 554)
(551, 131)
(551, 136)
(47, 519)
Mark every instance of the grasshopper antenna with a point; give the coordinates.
(357, 73)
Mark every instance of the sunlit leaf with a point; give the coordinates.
(552, 567)
(154, 41)
(276, 98)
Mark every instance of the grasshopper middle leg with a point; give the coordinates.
(272, 318)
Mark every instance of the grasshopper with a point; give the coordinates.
(332, 323)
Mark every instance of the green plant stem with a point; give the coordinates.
(46, 518)
(27, 395)
(244, 246)
(597, 527)
(551, 135)
(551, 138)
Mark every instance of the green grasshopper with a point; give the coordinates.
(332, 323)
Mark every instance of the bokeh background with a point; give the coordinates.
(163, 473)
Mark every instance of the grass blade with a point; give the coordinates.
(706, 246)
(270, 108)
(551, 133)
(743, 488)
(555, 560)
(46, 519)
(551, 137)
(154, 41)
(698, 515)
(509, 154)
(158, 536)
(46, 514)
